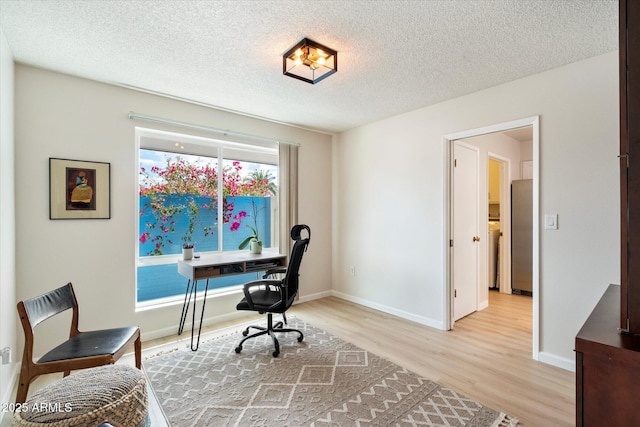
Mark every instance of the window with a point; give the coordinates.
(209, 193)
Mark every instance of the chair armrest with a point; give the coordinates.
(272, 271)
(256, 284)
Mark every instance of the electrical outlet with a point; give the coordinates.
(6, 355)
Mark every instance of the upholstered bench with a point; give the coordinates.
(116, 394)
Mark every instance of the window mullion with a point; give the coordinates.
(220, 200)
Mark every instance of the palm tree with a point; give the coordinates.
(261, 176)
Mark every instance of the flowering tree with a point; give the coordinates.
(185, 188)
(258, 183)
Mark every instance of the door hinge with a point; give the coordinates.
(455, 163)
(455, 293)
(451, 243)
(626, 156)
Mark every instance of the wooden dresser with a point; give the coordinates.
(608, 360)
(607, 368)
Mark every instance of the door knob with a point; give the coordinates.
(476, 238)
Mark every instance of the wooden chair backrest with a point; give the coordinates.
(36, 310)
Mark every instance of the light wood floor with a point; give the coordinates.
(487, 356)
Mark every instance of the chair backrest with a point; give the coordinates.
(293, 269)
(40, 308)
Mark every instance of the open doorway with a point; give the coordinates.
(498, 241)
(513, 162)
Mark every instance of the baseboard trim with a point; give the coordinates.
(10, 394)
(212, 320)
(315, 296)
(557, 361)
(207, 321)
(390, 310)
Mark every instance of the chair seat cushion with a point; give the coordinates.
(113, 393)
(263, 299)
(94, 343)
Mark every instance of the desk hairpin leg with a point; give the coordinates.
(185, 305)
(193, 315)
(192, 291)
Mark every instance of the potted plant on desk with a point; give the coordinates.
(187, 251)
(187, 245)
(253, 240)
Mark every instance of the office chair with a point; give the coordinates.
(275, 295)
(82, 349)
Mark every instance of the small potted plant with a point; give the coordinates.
(253, 240)
(187, 251)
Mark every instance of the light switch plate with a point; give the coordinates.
(551, 221)
(6, 355)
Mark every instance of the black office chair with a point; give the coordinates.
(275, 295)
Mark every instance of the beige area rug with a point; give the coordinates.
(323, 381)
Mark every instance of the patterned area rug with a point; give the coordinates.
(323, 381)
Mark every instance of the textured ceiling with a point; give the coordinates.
(394, 55)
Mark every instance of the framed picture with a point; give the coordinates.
(79, 189)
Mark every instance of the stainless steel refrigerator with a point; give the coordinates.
(522, 236)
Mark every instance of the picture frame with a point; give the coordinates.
(79, 189)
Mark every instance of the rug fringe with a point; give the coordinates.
(506, 421)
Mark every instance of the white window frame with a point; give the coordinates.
(258, 152)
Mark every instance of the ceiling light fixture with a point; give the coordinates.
(309, 61)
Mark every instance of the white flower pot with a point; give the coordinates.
(187, 253)
(255, 247)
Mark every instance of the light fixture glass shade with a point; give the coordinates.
(309, 61)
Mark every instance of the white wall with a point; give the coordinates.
(67, 117)
(389, 209)
(8, 314)
(388, 181)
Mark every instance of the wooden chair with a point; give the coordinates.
(82, 349)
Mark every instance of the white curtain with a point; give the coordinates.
(288, 195)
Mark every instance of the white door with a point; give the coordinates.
(465, 232)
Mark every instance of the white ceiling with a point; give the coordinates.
(394, 55)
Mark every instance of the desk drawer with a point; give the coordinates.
(206, 272)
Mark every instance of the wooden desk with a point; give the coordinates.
(607, 368)
(218, 265)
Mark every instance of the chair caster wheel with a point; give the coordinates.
(275, 353)
(238, 349)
